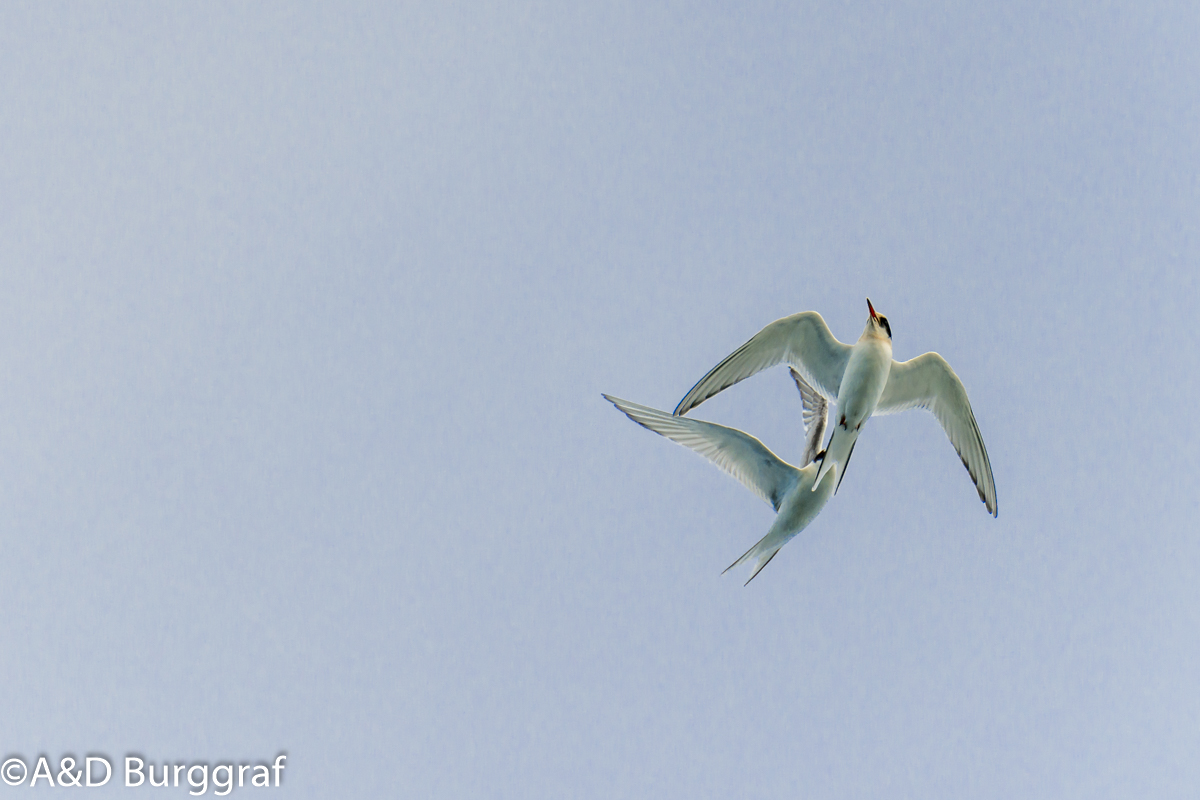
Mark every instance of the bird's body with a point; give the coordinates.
(800, 507)
(864, 380)
(862, 384)
(796, 493)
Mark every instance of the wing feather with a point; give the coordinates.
(739, 454)
(803, 340)
(815, 415)
(928, 382)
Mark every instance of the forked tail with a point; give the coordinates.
(779, 535)
(837, 454)
(762, 551)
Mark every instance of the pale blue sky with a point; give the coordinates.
(305, 315)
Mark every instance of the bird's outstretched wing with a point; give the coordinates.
(739, 454)
(803, 340)
(816, 414)
(928, 382)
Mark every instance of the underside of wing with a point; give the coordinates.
(739, 454)
(816, 414)
(928, 382)
(802, 340)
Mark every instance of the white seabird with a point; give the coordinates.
(864, 380)
(792, 492)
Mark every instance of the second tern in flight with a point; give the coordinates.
(864, 380)
(794, 493)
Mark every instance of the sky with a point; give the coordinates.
(305, 316)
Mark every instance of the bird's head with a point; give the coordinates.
(877, 324)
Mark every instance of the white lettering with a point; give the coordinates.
(37, 772)
(226, 785)
(72, 778)
(129, 770)
(203, 785)
(88, 770)
(166, 775)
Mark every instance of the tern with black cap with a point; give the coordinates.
(864, 380)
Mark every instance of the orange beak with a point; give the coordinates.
(871, 308)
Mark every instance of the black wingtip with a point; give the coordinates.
(679, 409)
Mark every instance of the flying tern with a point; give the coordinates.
(864, 380)
(792, 492)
